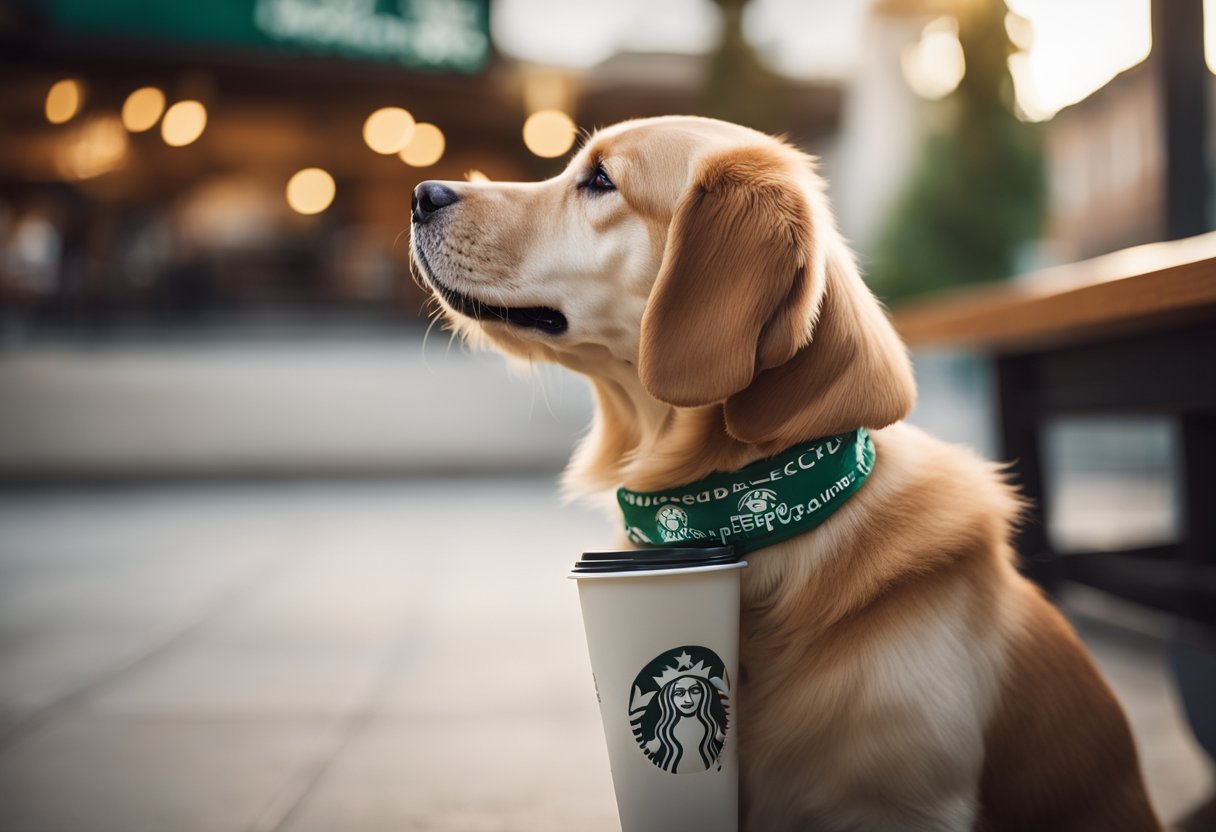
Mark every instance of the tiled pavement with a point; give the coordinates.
(334, 656)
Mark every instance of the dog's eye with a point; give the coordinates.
(599, 181)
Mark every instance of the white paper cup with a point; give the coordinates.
(663, 633)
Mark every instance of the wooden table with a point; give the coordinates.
(1132, 332)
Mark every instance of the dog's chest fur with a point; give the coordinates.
(916, 705)
(866, 690)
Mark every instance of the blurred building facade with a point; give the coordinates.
(1104, 156)
(1132, 163)
(104, 224)
(884, 121)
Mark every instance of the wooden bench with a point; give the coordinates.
(1133, 332)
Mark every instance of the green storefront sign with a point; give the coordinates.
(424, 34)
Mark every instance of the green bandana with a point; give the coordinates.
(757, 506)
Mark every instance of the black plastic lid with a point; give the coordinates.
(654, 558)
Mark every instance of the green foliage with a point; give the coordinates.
(738, 88)
(977, 194)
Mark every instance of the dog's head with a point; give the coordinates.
(695, 256)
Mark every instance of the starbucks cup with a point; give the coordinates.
(663, 633)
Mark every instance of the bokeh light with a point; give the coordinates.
(184, 122)
(63, 100)
(1020, 31)
(99, 147)
(143, 109)
(934, 65)
(310, 191)
(476, 176)
(1063, 64)
(425, 148)
(557, 34)
(388, 130)
(549, 133)
(1209, 33)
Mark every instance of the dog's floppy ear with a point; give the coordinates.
(736, 288)
(759, 305)
(854, 373)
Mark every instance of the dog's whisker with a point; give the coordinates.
(434, 319)
(582, 136)
(544, 391)
(416, 275)
(532, 397)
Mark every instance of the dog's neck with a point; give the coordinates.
(856, 373)
(640, 443)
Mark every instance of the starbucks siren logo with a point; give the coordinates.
(758, 500)
(673, 525)
(672, 519)
(679, 710)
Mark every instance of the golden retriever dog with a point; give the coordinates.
(896, 670)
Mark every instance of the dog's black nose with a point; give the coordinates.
(430, 198)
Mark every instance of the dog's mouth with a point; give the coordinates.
(544, 318)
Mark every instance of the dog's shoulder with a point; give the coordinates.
(951, 484)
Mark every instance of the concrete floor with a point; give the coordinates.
(337, 656)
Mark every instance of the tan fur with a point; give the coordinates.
(1034, 739)
(897, 672)
(740, 278)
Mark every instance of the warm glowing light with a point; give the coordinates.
(1076, 48)
(63, 100)
(547, 88)
(310, 191)
(184, 122)
(549, 133)
(1209, 33)
(476, 176)
(425, 148)
(388, 130)
(99, 147)
(142, 109)
(1020, 31)
(934, 65)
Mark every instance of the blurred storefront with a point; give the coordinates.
(148, 151)
(245, 161)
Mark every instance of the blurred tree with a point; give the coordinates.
(737, 87)
(977, 195)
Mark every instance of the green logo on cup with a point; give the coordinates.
(680, 709)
